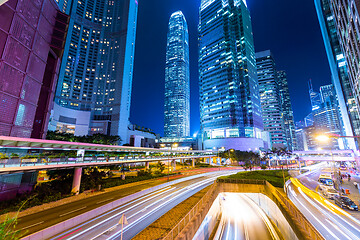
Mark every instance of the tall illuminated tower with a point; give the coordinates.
(177, 78)
(343, 55)
(230, 110)
(94, 88)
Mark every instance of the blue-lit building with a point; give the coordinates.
(94, 87)
(177, 79)
(288, 114)
(346, 88)
(230, 110)
(270, 98)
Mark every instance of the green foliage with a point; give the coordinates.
(14, 155)
(3, 156)
(7, 229)
(28, 156)
(274, 177)
(95, 138)
(92, 178)
(159, 168)
(263, 166)
(144, 173)
(63, 174)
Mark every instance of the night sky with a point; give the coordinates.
(290, 29)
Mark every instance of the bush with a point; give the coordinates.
(263, 166)
(274, 177)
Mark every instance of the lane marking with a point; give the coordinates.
(31, 225)
(119, 207)
(104, 200)
(70, 234)
(72, 211)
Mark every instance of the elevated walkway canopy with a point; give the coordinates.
(31, 143)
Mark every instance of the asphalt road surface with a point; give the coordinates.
(243, 219)
(140, 212)
(331, 223)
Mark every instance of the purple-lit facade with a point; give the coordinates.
(32, 35)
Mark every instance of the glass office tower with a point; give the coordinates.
(344, 86)
(270, 98)
(177, 78)
(94, 88)
(288, 114)
(230, 110)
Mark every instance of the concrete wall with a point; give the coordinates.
(274, 213)
(209, 223)
(81, 119)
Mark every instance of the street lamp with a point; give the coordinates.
(325, 138)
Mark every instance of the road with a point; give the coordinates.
(243, 219)
(139, 213)
(330, 221)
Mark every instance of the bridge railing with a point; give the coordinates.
(22, 162)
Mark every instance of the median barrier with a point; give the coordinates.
(63, 226)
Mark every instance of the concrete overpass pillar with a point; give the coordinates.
(193, 162)
(76, 181)
(173, 164)
(147, 165)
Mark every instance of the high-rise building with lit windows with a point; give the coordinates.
(288, 114)
(94, 88)
(339, 23)
(177, 79)
(230, 110)
(270, 98)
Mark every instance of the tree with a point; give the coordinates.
(97, 138)
(159, 167)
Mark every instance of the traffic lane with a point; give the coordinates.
(329, 224)
(108, 220)
(311, 181)
(36, 222)
(64, 212)
(143, 219)
(243, 219)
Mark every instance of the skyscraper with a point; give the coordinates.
(32, 36)
(327, 118)
(94, 88)
(230, 111)
(177, 78)
(288, 113)
(343, 56)
(270, 98)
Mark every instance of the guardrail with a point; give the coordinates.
(205, 202)
(300, 220)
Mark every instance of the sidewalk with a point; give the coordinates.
(354, 193)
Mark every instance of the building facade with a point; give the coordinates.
(32, 36)
(270, 98)
(288, 114)
(345, 86)
(94, 89)
(327, 118)
(230, 110)
(177, 79)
